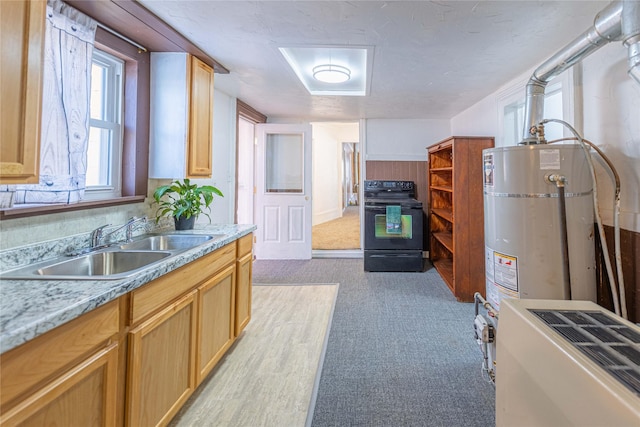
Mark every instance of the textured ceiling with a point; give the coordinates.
(432, 59)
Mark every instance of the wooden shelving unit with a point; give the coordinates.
(456, 213)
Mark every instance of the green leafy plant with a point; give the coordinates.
(184, 199)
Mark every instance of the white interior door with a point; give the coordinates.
(283, 191)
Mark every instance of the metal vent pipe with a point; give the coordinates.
(620, 20)
(631, 36)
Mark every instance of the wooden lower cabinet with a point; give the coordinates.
(66, 377)
(216, 300)
(83, 396)
(142, 355)
(243, 292)
(161, 374)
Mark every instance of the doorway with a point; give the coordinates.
(336, 185)
(337, 166)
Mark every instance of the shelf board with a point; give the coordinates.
(446, 238)
(447, 169)
(444, 266)
(445, 214)
(447, 188)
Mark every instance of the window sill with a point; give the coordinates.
(18, 212)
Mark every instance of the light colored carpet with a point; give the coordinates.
(269, 377)
(340, 233)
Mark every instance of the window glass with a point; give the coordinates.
(513, 115)
(284, 166)
(104, 150)
(98, 89)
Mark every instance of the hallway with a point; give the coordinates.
(338, 234)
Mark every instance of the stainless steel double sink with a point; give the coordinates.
(114, 262)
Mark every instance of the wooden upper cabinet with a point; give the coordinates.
(200, 120)
(21, 54)
(181, 116)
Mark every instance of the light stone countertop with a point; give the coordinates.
(29, 308)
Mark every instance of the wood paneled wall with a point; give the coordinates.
(415, 171)
(630, 255)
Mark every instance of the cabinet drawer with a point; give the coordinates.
(245, 244)
(30, 365)
(156, 294)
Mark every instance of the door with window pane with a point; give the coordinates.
(283, 192)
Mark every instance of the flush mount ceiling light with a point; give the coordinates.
(331, 73)
(331, 70)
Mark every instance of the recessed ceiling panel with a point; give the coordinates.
(356, 59)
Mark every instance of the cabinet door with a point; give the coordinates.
(200, 120)
(161, 373)
(21, 54)
(85, 395)
(216, 299)
(243, 293)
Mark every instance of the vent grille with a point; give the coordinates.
(630, 334)
(610, 344)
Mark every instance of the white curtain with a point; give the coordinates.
(65, 114)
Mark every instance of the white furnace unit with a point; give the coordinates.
(566, 363)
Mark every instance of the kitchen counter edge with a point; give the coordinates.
(30, 308)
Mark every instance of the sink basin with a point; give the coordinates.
(95, 266)
(170, 242)
(103, 264)
(115, 262)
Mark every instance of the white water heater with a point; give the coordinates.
(523, 224)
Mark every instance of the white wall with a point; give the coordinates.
(612, 121)
(326, 178)
(403, 139)
(224, 160)
(610, 111)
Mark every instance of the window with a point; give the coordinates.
(104, 152)
(132, 167)
(558, 104)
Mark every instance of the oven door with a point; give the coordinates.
(375, 229)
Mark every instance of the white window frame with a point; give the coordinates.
(113, 122)
(515, 96)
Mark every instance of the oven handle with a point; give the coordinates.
(384, 208)
(389, 255)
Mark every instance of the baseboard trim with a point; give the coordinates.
(350, 253)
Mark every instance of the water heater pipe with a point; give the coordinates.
(560, 181)
(619, 300)
(620, 20)
(616, 221)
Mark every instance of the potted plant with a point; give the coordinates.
(184, 201)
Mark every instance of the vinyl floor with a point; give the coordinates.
(268, 377)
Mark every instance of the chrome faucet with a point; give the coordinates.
(97, 235)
